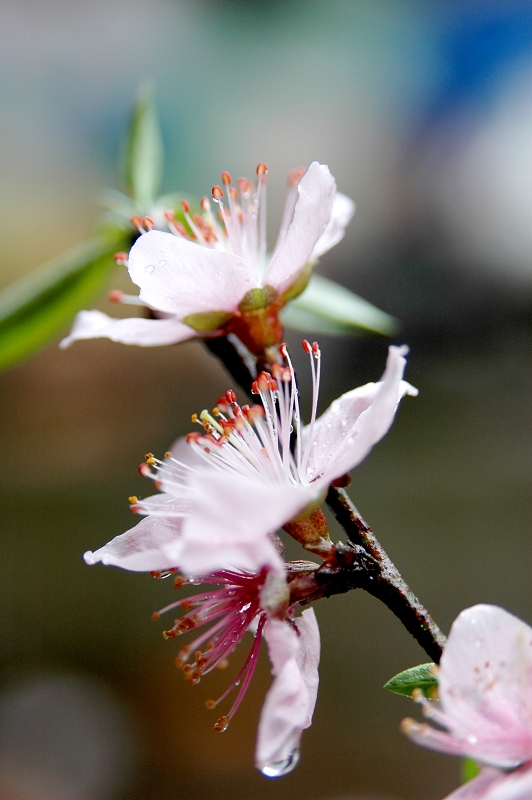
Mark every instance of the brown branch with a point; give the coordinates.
(387, 585)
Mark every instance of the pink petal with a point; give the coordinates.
(317, 190)
(479, 788)
(144, 548)
(180, 277)
(341, 215)
(135, 330)
(346, 432)
(290, 702)
(485, 684)
(230, 519)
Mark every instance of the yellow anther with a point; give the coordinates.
(194, 418)
(133, 499)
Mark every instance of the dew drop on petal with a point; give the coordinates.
(162, 263)
(149, 268)
(275, 769)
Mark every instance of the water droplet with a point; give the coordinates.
(275, 769)
(162, 263)
(149, 268)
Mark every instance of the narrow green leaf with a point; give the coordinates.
(327, 307)
(143, 151)
(469, 769)
(420, 677)
(36, 308)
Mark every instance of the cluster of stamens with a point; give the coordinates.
(229, 611)
(237, 225)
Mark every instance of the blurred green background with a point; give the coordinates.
(423, 112)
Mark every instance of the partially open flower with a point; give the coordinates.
(218, 619)
(485, 703)
(214, 274)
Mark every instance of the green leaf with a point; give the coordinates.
(420, 677)
(469, 769)
(326, 307)
(143, 151)
(36, 308)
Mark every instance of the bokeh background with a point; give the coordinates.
(424, 113)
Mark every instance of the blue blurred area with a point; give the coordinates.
(424, 113)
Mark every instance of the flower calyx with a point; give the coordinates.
(312, 531)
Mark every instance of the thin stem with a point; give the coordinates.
(388, 585)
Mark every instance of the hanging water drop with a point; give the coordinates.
(149, 268)
(275, 769)
(162, 263)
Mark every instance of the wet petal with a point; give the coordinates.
(144, 548)
(341, 215)
(485, 684)
(180, 277)
(230, 519)
(135, 330)
(290, 702)
(346, 432)
(317, 191)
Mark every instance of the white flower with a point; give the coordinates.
(485, 708)
(216, 275)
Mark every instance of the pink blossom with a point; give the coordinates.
(227, 488)
(216, 275)
(259, 603)
(485, 703)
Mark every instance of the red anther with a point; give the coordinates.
(115, 296)
(120, 258)
(155, 616)
(148, 223)
(283, 350)
(294, 176)
(205, 203)
(233, 192)
(277, 370)
(273, 385)
(145, 471)
(134, 508)
(256, 410)
(217, 192)
(262, 168)
(136, 221)
(180, 228)
(185, 205)
(286, 377)
(263, 381)
(226, 178)
(244, 186)
(230, 396)
(245, 409)
(315, 348)
(255, 388)
(306, 346)
(169, 214)
(193, 437)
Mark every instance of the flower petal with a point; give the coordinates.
(143, 548)
(479, 788)
(180, 277)
(230, 519)
(135, 330)
(290, 702)
(485, 684)
(343, 436)
(341, 215)
(317, 191)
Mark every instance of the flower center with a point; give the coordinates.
(229, 611)
(257, 441)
